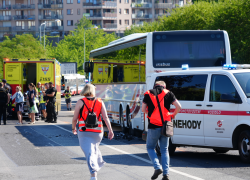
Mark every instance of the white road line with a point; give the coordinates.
(140, 158)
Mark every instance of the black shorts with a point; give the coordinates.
(68, 101)
(19, 107)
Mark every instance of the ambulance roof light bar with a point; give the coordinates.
(236, 66)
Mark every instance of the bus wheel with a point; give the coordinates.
(121, 119)
(244, 146)
(129, 123)
(220, 150)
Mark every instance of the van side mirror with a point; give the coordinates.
(230, 98)
(89, 66)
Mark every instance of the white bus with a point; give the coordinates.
(123, 69)
(75, 81)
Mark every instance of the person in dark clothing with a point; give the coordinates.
(150, 107)
(4, 100)
(51, 111)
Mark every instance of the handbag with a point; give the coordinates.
(167, 126)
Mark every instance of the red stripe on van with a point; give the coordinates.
(213, 112)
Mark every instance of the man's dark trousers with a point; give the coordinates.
(52, 112)
(3, 112)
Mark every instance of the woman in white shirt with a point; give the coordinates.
(19, 104)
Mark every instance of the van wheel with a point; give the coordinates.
(220, 150)
(244, 146)
(129, 123)
(171, 148)
(121, 119)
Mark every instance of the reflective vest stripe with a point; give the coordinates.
(83, 122)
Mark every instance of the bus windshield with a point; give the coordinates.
(244, 81)
(203, 49)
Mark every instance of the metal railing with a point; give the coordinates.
(40, 17)
(100, 3)
(5, 18)
(50, 6)
(141, 5)
(25, 17)
(141, 16)
(110, 26)
(24, 28)
(111, 15)
(54, 28)
(163, 5)
(6, 7)
(5, 29)
(23, 6)
(160, 15)
(96, 15)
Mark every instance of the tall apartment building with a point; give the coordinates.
(60, 16)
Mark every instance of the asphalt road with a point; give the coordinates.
(51, 151)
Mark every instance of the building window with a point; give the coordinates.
(133, 11)
(120, 22)
(69, 11)
(69, 1)
(70, 22)
(126, 11)
(120, 1)
(120, 11)
(31, 24)
(78, 1)
(78, 12)
(126, 1)
(18, 23)
(18, 13)
(133, 21)
(6, 13)
(127, 22)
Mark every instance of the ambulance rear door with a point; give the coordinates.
(45, 72)
(13, 73)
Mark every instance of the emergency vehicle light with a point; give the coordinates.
(184, 67)
(236, 66)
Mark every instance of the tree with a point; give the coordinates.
(71, 49)
(22, 46)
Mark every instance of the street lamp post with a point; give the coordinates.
(84, 50)
(58, 22)
(44, 31)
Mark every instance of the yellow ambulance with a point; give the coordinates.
(21, 72)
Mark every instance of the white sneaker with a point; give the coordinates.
(93, 178)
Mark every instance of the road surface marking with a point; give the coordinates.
(140, 158)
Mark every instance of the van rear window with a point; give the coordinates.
(186, 87)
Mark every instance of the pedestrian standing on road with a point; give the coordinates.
(90, 128)
(32, 103)
(150, 107)
(4, 100)
(19, 104)
(68, 98)
(42, 103)
(9, 90)
(51, 110)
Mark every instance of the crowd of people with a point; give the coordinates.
(39, 100)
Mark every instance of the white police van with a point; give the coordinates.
(215, 108)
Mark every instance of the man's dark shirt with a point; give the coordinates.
(50, 91)
(3, 97)
(168, 100)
